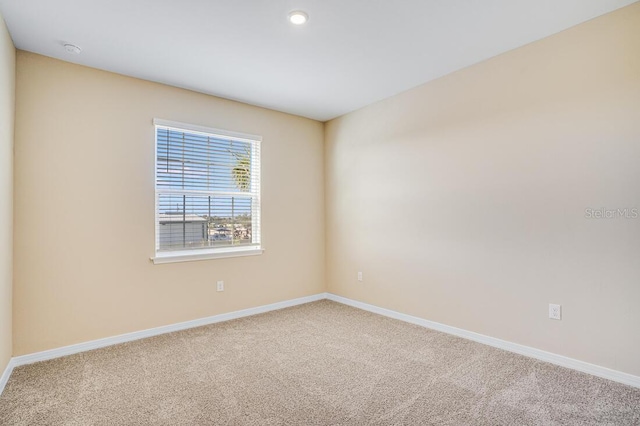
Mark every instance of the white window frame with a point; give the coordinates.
(256, 213)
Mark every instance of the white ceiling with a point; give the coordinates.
(351, 52)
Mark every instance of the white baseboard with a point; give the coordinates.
(122, 338)
(563, 361)
(5, 374)
(560, 360)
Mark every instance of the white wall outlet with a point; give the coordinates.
(359, 276)
(555, 311)
(220, 285)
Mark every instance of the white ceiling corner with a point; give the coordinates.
(351, 52)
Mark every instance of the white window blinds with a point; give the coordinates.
(207, 189)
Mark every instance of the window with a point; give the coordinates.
(207, 193)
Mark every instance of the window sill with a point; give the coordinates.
(180, 256)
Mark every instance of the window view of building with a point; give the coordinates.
(207, 189)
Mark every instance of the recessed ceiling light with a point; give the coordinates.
(298, 17)
(72, 48)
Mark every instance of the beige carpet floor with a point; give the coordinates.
(317, 364)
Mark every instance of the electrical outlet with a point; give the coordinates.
(359, 276)
(555, 311)
(220, 285)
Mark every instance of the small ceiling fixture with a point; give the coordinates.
(298, 17)
(72, 48)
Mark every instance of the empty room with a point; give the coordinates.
(297, 212)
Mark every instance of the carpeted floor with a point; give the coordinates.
(317, 364)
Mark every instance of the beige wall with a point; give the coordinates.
(7, 103)
(84, 208)
(463, 200)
